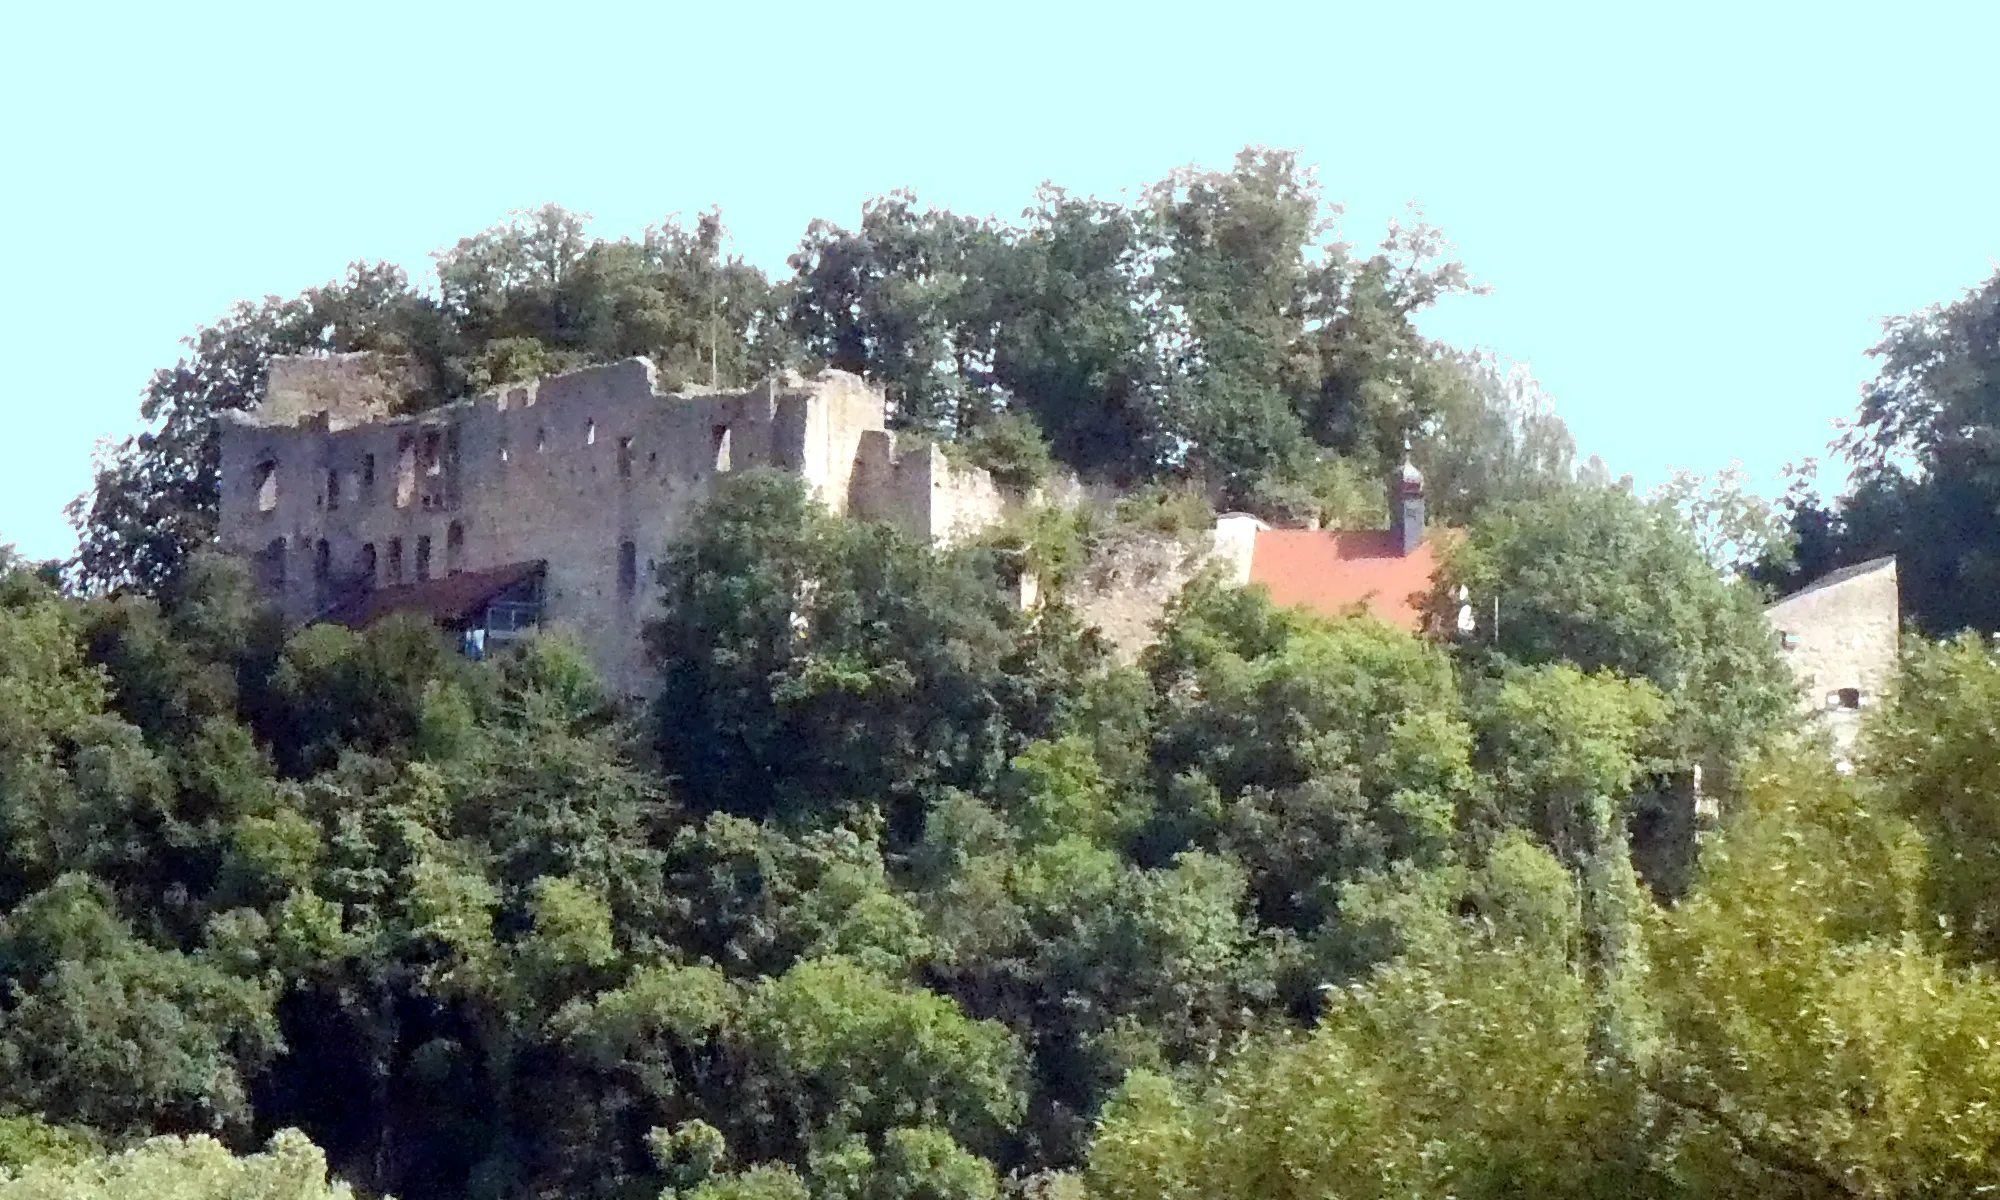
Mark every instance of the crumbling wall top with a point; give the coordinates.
(350, 389)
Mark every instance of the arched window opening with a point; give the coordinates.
(423, 558)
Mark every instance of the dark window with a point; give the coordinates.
(276, 553)
(395, 560)
(628, 568)
(1850, 697)
(365, 565)
(454, 549)
(267, 485)
(433, 452)
(423, 558)
(322, 561)
(624, 458)
(368, 472)
(333, 489)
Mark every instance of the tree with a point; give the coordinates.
(1242, 251)
(1493, 436)
(1600, 579)
(1735, 528)
(895, 301)
(811, 662)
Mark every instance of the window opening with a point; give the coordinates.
(333, 488)
(454, 549)
(276, 553)
(267, 485)
(423, 558)
(322, 561)
(395, 560)
(365, 565)
(1849, 697)
(406, 470)
(541, 439)
(433, 455)
(590, 433)
(368, 472)
(628, 569)
(719, 438)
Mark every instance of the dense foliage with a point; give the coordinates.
(896, 890)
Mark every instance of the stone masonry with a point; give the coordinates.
(1841, 635)
(593, 473)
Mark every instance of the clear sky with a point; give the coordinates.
(1694, 214)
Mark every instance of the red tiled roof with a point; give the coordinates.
(1333, 572)
(448, 600)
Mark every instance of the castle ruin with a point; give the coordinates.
(543, 502)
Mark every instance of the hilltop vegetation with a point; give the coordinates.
(897, 891)
(1212, 332)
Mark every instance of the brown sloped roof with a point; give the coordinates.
(448, 600)
(1334, 572)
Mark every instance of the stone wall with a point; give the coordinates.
(567, 469)
(350, 389)
(1842, 637)
(912, 484)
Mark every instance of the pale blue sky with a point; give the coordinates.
(1694, 214)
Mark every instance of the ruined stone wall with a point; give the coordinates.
(1843, 634)
(566, 469)
(349, 388)
(1126, 585)
(910, 483)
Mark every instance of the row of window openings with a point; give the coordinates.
(432, 465)
(411, 461)
(366, 566)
